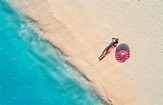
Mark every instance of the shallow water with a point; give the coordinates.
(33, 72)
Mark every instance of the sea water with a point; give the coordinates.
(32, 71)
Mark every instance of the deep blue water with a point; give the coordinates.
(32, 72)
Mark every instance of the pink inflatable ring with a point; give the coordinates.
(122, 55)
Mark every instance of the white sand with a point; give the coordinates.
(80, 29)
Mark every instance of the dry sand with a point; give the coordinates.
(81, 28)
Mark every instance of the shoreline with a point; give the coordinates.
(79, 28)
(42, 33)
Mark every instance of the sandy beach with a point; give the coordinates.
(81, 29)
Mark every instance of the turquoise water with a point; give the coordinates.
(33, 72)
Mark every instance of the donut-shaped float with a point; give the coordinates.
(122, 55)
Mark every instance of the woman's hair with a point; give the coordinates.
(115, 42)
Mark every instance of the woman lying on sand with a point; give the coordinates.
(109, 48)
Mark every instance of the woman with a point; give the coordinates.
(109, 48)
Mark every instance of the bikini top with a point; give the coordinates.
(114, 43)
